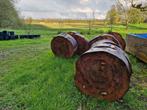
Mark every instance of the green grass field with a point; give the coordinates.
(32, 78)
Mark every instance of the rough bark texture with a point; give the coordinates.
(105, 36)
(103, 71)
(82, 42)
(119, 38)
(64, 45)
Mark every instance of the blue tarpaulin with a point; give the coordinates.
(140, 35)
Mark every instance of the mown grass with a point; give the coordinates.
(32, 78)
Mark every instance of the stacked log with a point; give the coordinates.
(68, 44)
(104, 70)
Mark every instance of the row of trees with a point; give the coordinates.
(133, 15)
(125, 12)
(8, 14)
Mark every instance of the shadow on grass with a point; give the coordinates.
(40, 27)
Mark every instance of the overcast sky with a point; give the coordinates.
(64, 8)
(75, 9)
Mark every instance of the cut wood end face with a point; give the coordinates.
(62, 47)
(100, 75)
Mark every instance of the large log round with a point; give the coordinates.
(119, 38)
(82, 42)
(64, 45)
(103, 72)
(103, 37)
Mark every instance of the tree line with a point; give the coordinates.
(125, 12)
(8, 15)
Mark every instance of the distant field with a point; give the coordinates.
(32, 78)
(133, 28)
(70, 23)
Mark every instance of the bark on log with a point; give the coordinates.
(64, 45)
(119, 38)
(105, 36)
(82, 42)
(104, 70)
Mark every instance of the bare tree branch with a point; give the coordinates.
(141, 6)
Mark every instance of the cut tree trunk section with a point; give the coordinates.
(103, 37)
(64, 45)
(119, 38)
(104, 70)
(82, 42)
(68, 44)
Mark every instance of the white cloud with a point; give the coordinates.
(83, 10)
(83, 1)
(63, 8)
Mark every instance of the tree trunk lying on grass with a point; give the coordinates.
(105, 36)
(104, 70)
(64, 45)
(68, 44)
(82, 42)
(119, 38)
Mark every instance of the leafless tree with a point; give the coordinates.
(139, 5)
(60, 22)
(123, 7)
(93, 18)
(90, 20)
